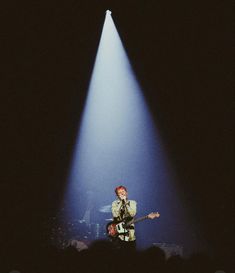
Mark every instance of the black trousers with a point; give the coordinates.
(125, 245)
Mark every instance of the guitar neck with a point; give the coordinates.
(136, 220)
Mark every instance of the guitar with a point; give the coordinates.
(117, 228)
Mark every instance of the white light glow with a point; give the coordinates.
(117, 142)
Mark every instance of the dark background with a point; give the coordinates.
(181, 52)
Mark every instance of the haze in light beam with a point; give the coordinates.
(117, 140)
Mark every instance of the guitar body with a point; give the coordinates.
(116, 228)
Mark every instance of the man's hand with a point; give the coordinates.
(123, 198)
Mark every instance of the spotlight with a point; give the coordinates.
(118, 141)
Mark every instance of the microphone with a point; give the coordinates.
(124, 202)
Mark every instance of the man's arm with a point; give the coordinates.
(131, 207)
(116, 208)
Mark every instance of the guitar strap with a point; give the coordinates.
(122, 212)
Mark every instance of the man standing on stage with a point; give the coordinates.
(124, 210)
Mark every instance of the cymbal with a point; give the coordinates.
(105, 209)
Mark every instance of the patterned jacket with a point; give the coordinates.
(121, 212)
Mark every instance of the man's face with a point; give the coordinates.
(121, 193)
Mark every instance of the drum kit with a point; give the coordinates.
(62, 232)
